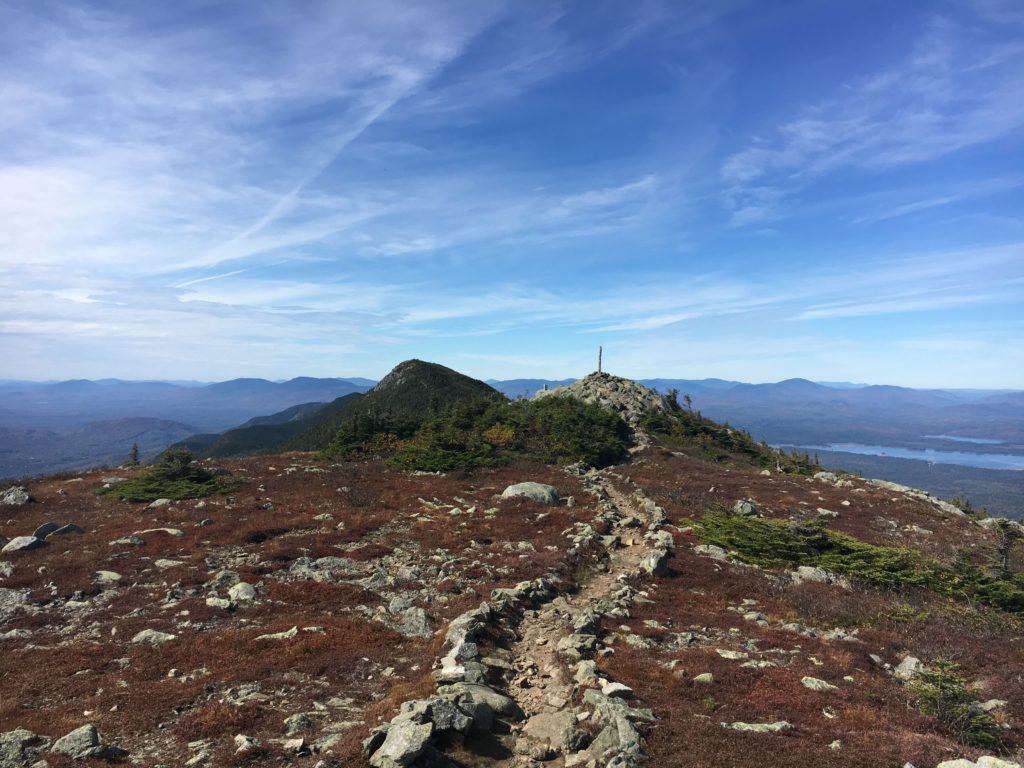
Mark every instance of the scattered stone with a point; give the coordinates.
(983, 762)
(23, 544)
(704, 678)
(822, 512)
(219, 602)
(18, 747)
(45, 530)
(163, 564)
(159, 503)
(288, 634)
(654, 562)
(909, 668)
(817, 685)
(15, 496)
(64, 530)
(745, 508)
(168, 531)
(992, 704)
(153, 637)
(84, 743)
(406, 740)
(242, 592)
(713, 551)
(415, 623)
(539, 492)
(6, 569)
(777, 727)
(130, 541)
(297, 723)
(244, 744)
(617, 691)
(806, 573)
(731, 655)
(106, 578)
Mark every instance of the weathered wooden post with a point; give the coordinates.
(600, 352)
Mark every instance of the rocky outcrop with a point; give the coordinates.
(627, 398)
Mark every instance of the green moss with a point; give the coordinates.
(776, 544)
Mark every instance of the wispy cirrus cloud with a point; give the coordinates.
(959, 87)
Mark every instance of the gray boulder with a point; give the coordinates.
(15, 496)
(415, 623)
(45, 530)
(80, 743)
(655, 562)
(406, 741)
(909, 668)
(23, 544)
(745, 508)
(539, 492)
(152, 637)
(482, 694)
(242, 592)
(18, 747)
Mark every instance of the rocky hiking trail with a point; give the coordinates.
(542, 684)
(521, 670)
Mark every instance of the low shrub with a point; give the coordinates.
(175, 476)
(942, 693)
(689, 430)
(778, 543)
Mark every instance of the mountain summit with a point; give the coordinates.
(627, 398)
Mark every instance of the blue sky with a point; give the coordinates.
(750, 190)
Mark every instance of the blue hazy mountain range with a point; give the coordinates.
(53, 426)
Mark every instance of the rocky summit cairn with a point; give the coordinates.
(625, 397)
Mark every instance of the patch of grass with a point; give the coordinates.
(776, 543)
(175, 476)
(942, 693)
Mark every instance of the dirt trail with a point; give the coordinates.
(542, 682)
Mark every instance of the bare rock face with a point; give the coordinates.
(625, 397)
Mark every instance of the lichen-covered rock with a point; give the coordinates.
(655, 562)
(776, 727)
(817, 685)
(820, 575)
(539, 492)
(15, 496)
(909, 668)
(242, 593)
(406, 740)
(80, 743)
(153, 637)
(18, 747)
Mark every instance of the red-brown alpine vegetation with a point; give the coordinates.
(699, 600)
